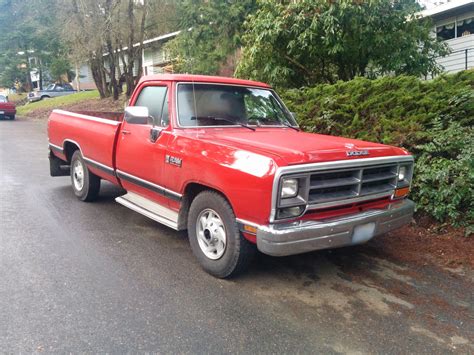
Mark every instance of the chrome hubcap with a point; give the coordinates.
(78, 175)
(211, 234)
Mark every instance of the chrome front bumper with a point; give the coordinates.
(305, 236)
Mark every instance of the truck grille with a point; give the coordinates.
(327, 187)
(339, 183)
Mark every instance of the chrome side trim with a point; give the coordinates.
(243, 221)
(87, 117)
(148, 185)
(56, 147)
(150, 209)
(338, 164)
(100, 166)
(74, 142)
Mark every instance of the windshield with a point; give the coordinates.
(50, 87)
(217, 105)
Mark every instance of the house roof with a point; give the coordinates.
(201, 79)
(160, 38)
(151, 40)
(449, 7)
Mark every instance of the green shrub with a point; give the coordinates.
(444, 180)
(432, 119)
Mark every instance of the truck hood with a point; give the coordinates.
(288, 147)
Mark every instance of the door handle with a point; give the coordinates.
(125, 132)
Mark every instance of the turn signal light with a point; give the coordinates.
(401, 192)
(250, 229)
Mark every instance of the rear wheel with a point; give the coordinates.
(12, 117)
(85, 184)
(215, 238)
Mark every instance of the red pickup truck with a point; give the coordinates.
(225, 159)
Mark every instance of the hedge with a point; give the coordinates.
(433, 119)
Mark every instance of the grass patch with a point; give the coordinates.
(16, 97)
(57, 102)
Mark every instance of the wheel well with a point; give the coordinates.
(69, 149)
(45, 96)
(190, 192)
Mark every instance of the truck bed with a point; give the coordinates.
(108, 115)
(94, 133)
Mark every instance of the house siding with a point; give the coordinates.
(456, 61)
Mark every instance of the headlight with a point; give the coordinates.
(289, 188)
(402, 173)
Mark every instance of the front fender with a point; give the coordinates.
(244, 178)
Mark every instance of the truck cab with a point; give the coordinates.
(225, 160)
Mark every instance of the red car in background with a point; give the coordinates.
(7, 109)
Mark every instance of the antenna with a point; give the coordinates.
(194, 102)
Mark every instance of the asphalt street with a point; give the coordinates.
(97, 277)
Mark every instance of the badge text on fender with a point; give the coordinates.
(173, 160)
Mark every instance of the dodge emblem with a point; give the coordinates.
(356, 153)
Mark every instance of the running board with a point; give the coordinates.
(149, 209)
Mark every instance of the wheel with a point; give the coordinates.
(85, 184)
(12, 117)
(215, 238)
(45, 97)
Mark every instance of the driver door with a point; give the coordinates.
(140, 158)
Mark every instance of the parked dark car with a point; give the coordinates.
(53, 90)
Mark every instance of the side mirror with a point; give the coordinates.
(136, 115)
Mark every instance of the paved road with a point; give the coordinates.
(97, 277)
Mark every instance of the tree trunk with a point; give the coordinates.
(77, 78)
(29, 84)
(140, 47)
(99, 75)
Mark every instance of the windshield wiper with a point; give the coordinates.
(271, 119)
(222, 119)
(288, 124)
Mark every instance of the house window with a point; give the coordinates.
(465, 27)
(446, 32)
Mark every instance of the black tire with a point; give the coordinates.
(238, 252)
(12, 117)
(90, 182)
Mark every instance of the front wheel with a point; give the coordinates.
(12, 117)
(85, 184)
(215, 238)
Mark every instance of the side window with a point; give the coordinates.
(156, 99)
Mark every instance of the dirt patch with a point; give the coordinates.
(105, 105)
(426, 243)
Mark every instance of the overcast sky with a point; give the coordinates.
(427, 3)
(431, 3)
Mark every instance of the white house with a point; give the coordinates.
(155, 60)
(454, 23)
